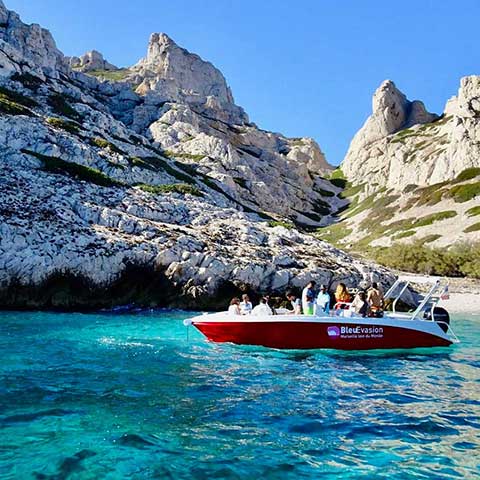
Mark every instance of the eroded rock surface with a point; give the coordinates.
(164, 195)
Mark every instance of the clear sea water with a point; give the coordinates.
(101, 396)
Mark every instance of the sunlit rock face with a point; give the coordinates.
(402, 144)
(91, 61)
(154, 188)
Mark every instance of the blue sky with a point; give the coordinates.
(303, 68)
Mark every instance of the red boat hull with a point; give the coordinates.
(310, 335)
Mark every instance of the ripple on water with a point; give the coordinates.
(127, 396)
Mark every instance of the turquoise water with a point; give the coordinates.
(128, 396)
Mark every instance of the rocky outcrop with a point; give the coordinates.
(164, 196)
(401, 144)
(171, 73)
(29, 45)
(91, 61)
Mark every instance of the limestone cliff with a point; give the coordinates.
(163, 196)
(414, 176)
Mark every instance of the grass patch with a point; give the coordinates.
(434, 217)
(408, 233)
(105, 144)
(410, 188)
(182, 188)
(429, 238)
(468, 174)
(88, 174)
(190, 156)
(112, 75)
(473, 212)
(351, 191)
(334, 233)
(68, 126)
(473, 228)
(464, 193)
(60, 106)
(276, 223)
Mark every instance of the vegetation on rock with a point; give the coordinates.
(459, 260)
(88, 174)
(68, 126)
(182, 188)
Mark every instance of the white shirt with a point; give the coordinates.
(233, 310)
(246, 308)
(262, 309)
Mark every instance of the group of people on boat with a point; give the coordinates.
(366, 301)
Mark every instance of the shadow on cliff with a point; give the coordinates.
(141, 286)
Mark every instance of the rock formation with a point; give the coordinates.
(402, 144)
(166, 196)
(415, 176)
(91, 61)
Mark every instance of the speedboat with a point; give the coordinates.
(427, 326)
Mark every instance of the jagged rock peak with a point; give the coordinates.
(90, 61)
(34, 44)
(166, 60)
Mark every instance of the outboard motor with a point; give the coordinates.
(439, 315)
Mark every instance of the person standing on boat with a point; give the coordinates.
(234, 308)
(262, 308)
(295, 302)
(375, 298)
(322, 303)
(245, 305)
(308, 297)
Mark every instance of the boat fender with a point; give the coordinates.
(439, 315)
(187, 322)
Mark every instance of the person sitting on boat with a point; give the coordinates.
(245, 305)
(234, 308)
(342, 297)
(296, 303)
(359, 304)
(262, 308)
(269, 303)
(375, 299)
(322, 303)
(308, 297)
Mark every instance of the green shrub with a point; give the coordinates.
(464, 193)
(429, 238)
(105, 144)
(468, 174)
(338, 182)
(408, 233)
(27, 80)
(410, 188)
(88, 174)
(276, 223)
(474, 211)
(240, 182)
(325, 193)
(460, 260)
(60, 106)
(68, 126)
(190, 156)
(333, 233)
(473, 228)
(112, 75)
(13, 103)
(350, 191)
(434, 217)
(182, 188)
(16, 97)
(430, 195)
